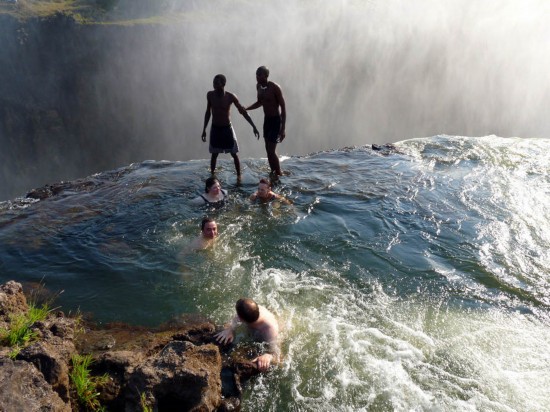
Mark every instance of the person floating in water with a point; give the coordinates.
(222, 135)
(207, 237)
(264, 326)
(213, 195)
(264, 193)
(270, 97)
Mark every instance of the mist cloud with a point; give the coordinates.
(352, 72)
(356, 72)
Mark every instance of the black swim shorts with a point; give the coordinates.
(272, 127)
(223, 140)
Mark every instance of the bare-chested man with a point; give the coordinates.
(270, 97)
(222, 135)
(262, 323)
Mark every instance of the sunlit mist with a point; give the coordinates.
(352, 73)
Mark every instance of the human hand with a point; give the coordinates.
(257, 133)
(263, 361)
(281, 136)
(203, 136)
(225, 336)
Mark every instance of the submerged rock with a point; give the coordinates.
(385, 149)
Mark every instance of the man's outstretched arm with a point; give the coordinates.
(254, 106)
(243, 111)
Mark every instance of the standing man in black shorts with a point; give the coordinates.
(222, 135)
(270, 97)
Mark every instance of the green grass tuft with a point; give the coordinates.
(145, 407)
(20, 332)
(86, 385)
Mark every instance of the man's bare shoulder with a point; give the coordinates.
(274, 85)
(269, 319)
(232, 97)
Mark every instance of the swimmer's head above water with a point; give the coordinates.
(209, 228)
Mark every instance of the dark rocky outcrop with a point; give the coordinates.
(23, 388)
(181, 376)
(177, 367)
(12, 301)
(51, 355)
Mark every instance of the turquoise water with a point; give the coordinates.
(415, 280)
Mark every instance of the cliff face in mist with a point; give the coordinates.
(42, 68)
(70, 108)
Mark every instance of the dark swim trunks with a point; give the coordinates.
(223, 140)
(272, 127)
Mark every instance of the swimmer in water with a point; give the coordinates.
(264, 326)
(207, 237)
(213, 195)
(264, 193)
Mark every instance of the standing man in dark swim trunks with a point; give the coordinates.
(270, 97)
(222, 135)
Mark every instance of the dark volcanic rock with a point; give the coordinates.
(50, 360)
(23, 388)
(180, 377)
(51, 354)
(12, 301)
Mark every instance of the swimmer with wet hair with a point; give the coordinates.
(207, 237)
(264, 193)
(213, 195)
(262, 323)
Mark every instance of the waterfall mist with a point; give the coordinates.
(352, 72)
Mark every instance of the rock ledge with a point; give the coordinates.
(179, 367)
